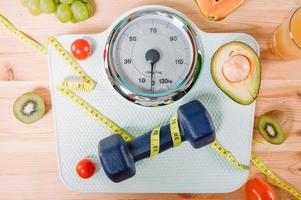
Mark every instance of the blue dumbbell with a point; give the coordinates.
(118, 157)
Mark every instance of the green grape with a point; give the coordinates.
(73, 20)
(24, 2)
(90, 9)
(34, 7)
(85, 1)
(47, 6)
(66, 1)
(79, 10)
(56, 2)
(64, 13)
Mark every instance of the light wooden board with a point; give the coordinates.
(28, 165)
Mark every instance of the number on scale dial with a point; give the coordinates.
(152, 33)
(152, 56)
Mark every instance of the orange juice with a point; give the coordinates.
(287, 38)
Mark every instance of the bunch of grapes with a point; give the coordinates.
(65, 10)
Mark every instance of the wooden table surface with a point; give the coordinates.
(28, 163)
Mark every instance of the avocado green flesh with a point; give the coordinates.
(243, 92)
(265, 126)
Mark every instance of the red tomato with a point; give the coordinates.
(257, 189)
(81, 49)
(85, 168)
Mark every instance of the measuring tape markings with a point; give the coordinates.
(88, 84)
(155, 142)
(216, 145)
(177, 140)
(230, 158)
(66, 87)
(22, 36)
(101, 118)
(72, 85)
(275, 178)
(175, 131)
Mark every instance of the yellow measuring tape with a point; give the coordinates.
(177, 140)
(88, 84)
(227, 155)
(155, 142)
(275, 178)
(175, 131)
(93, 112)
(22, 36)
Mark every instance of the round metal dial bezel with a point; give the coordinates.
(174, 95)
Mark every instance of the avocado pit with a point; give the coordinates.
(236, 68)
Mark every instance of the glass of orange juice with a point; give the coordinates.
(287, 38)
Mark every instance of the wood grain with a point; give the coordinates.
(28, 165)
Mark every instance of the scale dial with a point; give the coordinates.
(152, 57)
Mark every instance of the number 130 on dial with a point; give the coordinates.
(152, 57)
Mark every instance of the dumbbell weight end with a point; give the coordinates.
(118, 157)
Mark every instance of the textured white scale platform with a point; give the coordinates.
(181, 170)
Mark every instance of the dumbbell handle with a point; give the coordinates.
(118, 157)
(140, 147)
(195, 126)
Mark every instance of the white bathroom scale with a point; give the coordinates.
(128, 95)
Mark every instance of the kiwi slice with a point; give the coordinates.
(275, 126)
(29, 108)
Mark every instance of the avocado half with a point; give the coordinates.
(236, 70)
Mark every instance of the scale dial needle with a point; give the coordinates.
(152, 56)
